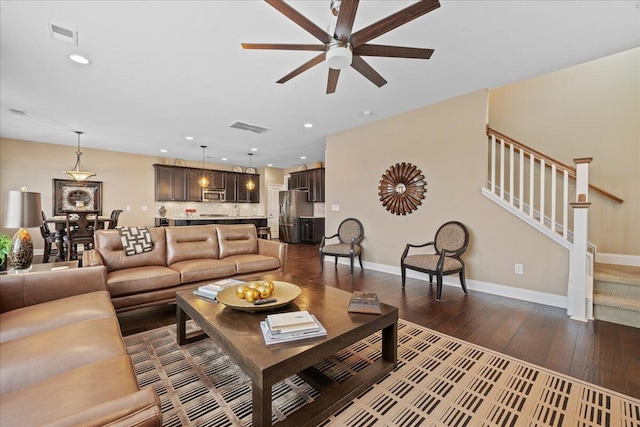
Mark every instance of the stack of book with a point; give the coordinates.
(292, 326)
(211, 290)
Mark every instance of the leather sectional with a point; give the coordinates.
(182, 258)
(63, 360)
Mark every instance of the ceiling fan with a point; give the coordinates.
(344, 48)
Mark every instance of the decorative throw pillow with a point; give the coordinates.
(135, 240)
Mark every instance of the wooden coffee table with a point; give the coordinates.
(238, 334)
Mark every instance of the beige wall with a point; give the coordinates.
(447, 142)
(127, 179)
(590, 110)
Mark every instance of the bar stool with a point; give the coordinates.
(264, 233)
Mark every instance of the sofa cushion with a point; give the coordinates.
(194, 242)
(253, 262)
(141, 279)
(109, 245)
(237, 240)
(73, 392)
(203, 269)
(29, 360)
(54, 314)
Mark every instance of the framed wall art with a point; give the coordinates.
(71, 195)
(402, 188)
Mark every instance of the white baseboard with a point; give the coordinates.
(619, 259)
(552, 300)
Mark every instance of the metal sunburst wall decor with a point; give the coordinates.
(402, 188)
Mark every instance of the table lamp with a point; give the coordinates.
(22, 210)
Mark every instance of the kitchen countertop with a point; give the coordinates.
(180, 218)
(312, 217)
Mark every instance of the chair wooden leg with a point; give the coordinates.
(403, 272)
(360, 260)
(352, 265)
(462, 281)
(431, 279)
(321, 261)
(336, 264)
(439, 290)
(47, 252)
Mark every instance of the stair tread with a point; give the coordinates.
(614, 273)
(616, 301)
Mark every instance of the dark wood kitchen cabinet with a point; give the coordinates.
(244, 194)
(310, 180)
(171, 183)
(311, 229)
(231, 187)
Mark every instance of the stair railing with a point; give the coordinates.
(538, 189)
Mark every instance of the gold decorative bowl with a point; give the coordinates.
(283, 292)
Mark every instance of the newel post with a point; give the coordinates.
(579, 294)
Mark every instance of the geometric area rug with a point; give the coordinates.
(439, 381)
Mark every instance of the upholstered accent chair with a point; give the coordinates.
(451, 241)
(350, 234)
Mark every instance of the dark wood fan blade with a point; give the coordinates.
(346, 16)
(393, 51)
(301, 20)
(366, 70)
(332, 81)
(278, 46)
(387, 24)
(304, 67)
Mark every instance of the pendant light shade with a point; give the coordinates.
(204, 180)
(251, 185)
(77, 173)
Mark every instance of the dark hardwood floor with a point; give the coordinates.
(599, 352)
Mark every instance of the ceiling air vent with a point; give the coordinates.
(248, 126)
(17, 112)
(65, 35)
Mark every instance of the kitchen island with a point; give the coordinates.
(258, 221)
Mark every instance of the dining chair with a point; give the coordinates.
(113, 221)
(80, 227)
(50, 248)
(450, 242)
(350, 234)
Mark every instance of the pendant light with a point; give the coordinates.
(77, 173)
(203, 181)
(250, 183)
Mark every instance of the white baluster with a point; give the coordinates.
(511, 190)
(521, 181)
(565, 205)
(502, 169)
(553, 197)
(542, 174)
(493, 164)
(532, 164)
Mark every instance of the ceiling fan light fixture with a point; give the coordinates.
(339, 56)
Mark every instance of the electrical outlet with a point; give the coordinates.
(144, 208)
(335, 207)
(128, 208)
(519, 269)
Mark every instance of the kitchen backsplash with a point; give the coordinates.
(318, 209)
(178, 210)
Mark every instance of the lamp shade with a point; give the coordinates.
(22, 210)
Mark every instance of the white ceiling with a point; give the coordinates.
(163, 70)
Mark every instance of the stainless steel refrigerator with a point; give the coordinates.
(293, 205)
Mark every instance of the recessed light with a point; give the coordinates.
(366, 113)
(254, 149)
(303, 157)
(79, 59)
(308, 125)
(189, 138)
(163, 151)
(224, 158)
(270, 164)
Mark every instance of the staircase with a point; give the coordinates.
(538, 189)
(616, 294)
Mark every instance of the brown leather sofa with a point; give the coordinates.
(63, 361)
(182, 258)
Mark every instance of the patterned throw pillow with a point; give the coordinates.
(135, 240)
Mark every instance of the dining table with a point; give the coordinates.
(60, 224)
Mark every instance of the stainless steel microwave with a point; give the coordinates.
(212, 195)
